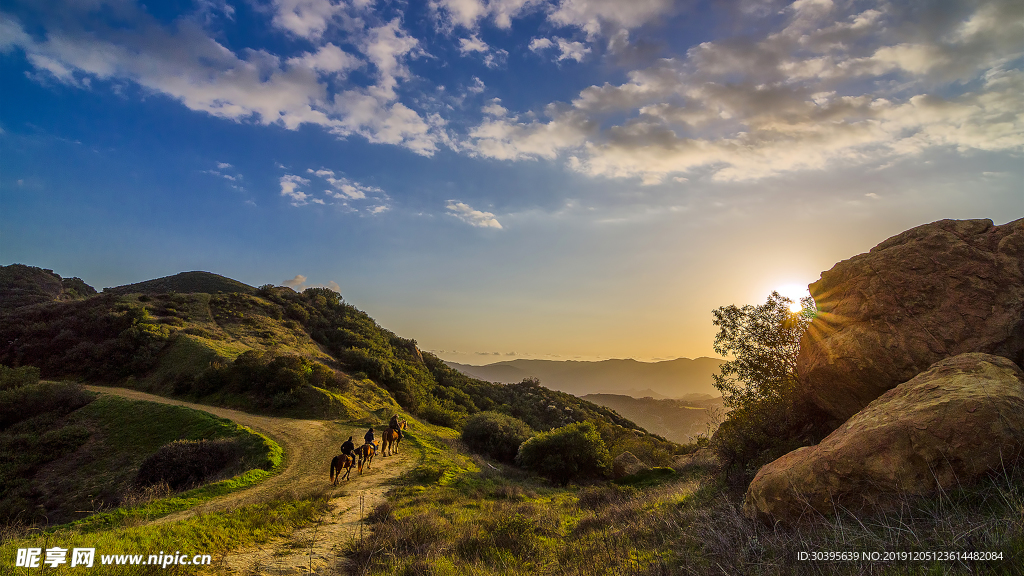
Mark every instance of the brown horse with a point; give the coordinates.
(365, 453)
(339, 462)
(390, 439)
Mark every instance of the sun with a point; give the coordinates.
(794, 292)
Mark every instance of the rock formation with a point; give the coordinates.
(950, 425)
(932, 292)
(626, 464)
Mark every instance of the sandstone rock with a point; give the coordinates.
(962, 418)
(701, 458)
(626, 464)
(932, 292)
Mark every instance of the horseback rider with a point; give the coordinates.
(348, 447)
(369, 438)
(394, 425)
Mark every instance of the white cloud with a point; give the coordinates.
(185, 63)
(473, 44)
(295, 283)
(477, 87)
(591, 15)
(476, 218)
(494, 108)
(538, 44)
(469, 13)
(223, 165)
(492, 58)
(587, 15)
(334, 286)
(306, 18)
(328, 58)
(347, 190)
(289, 187)
(507, 138)
(571, 50)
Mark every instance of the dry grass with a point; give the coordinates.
(491, 524)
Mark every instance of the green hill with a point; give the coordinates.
(185, 283)
(22, 285)
(307, 354)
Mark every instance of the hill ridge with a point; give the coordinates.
(193, 282)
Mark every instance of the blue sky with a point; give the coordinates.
(503, 178)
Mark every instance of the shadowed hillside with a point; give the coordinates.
(22, 285)
(185, 283)
(668, 379)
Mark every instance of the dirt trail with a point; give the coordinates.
(308, 447)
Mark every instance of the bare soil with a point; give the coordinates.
(308, 447)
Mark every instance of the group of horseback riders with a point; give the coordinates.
(366, 451)
(368, 438)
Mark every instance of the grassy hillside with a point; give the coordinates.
(185, 283)
(306, 354)
(69, 454)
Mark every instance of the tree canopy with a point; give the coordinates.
(764, 342)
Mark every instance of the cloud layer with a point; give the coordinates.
(823, 83)
(832, 84)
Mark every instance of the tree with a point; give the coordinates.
(764, 342)
(759, 383)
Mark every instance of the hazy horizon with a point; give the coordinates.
(499, 179)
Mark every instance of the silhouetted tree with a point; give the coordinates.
(758, 384)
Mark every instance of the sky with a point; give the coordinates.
(500, 179)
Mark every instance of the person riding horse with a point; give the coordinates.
(394, 425)
(369, 438)
(348, 447)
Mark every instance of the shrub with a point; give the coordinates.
(185, 463)
(441, 415)
(18, 377)
(572, 452)
(496, 435)
(26, 402)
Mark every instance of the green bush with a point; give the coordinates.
(573, 452)
(18, 377)
(496, 435)
(265, 374)
(26, 402)
(187, 463)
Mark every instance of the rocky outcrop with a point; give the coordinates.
(959, 420)
(626, 464)
(932, 292)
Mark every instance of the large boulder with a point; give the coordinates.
(932, 292)
(627, 464)
(956, 422)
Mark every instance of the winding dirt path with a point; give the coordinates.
(308, 447)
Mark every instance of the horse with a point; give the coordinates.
(339, 462)
(365, 453)
(390, 439)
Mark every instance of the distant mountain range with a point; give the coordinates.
(678, 420)
(675, 379)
